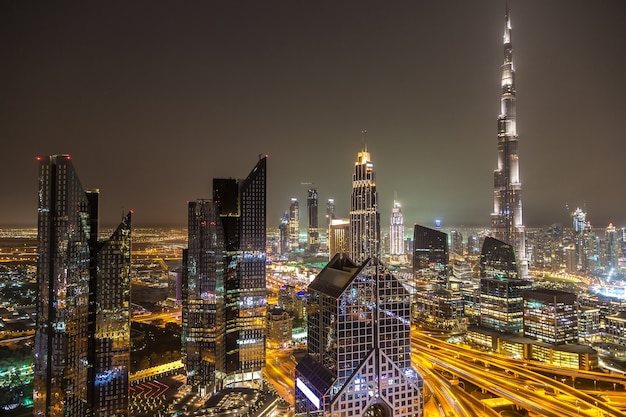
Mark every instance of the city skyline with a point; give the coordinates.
(147, 95)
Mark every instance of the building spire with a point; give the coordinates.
(507, 223)
(364, 135)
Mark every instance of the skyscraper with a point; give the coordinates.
(242, 209)
(506, 218)
(612, 249)
(330, 211)
(396, 230)
(294, 224)
(364, 215)
(283, 229)
(203, 317)
(501, 291)
(312, 229)
(82, 338)
(430, 252)
(358, 359)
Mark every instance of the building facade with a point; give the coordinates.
(396, 230)
(241, 206)
(551, 316)
(364, 215)
(203, 312)
(358, 359)
(294, 224)
(82, 337)
(312, 229)
(430, 252)
(506, 219)
(338, 237)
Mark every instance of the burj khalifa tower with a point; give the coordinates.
(506, 219)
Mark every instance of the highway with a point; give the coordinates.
(512, 380)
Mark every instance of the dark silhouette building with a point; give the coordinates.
(430, 251)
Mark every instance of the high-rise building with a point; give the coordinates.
(338, 237)
(551, 316)
(501, 306)
(612, 249)
(312, 229)
(358, 360)
(283, 233)
(396, 231)
(430, 252)
(497, 260)
(364, 215)
(242, 209)
(456, 242)
(82, 337)
(294, 224)
(203, 317)
(506, 219)
(330, 211)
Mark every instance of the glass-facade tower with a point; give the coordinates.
(242, 210)
(82, 337)
(203, 317)
(358, 360)
(396, 230)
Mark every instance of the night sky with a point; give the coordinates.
(153, 99)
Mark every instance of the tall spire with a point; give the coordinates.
(506, 218)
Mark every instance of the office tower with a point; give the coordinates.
(82, 337)
(501, 304)
(430, 252)
(500, 289)
(203, 315)
(612, 249)
(112, 338)
(473, 245)
(242, 208)
(396, 230)
(579, 222)
(551, 316)
(294, 224)
(312, 229)
(364, 215)
(330, 211)
(283, 232)
(358, 360)
(338, 237)
(497, 260)
(456, 242)
(506, 218)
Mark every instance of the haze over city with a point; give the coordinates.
(154, 99)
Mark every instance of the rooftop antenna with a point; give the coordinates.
(364, 133)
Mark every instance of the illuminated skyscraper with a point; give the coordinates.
(551, 316)
(330, 211)
(242, 209)
(396, 230)
(612, 249)
(82, 338)
(312, 230)
(506, 218)
(294, 224)
(338, 237)
(358, 360)
(364, 215)
(203, 315)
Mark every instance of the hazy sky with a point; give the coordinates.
(153, 99)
